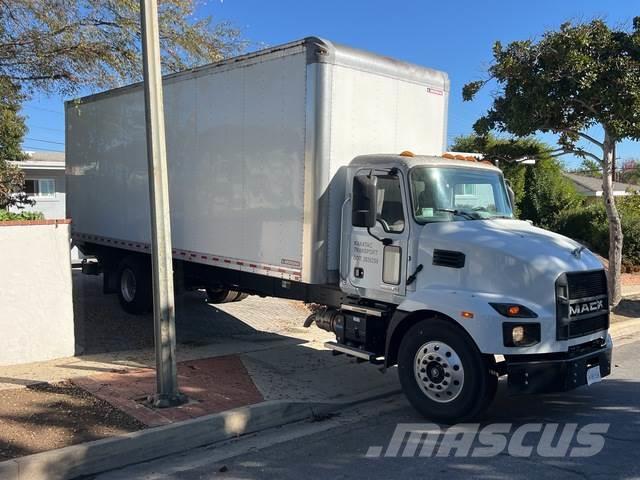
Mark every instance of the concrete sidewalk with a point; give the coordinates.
(297, 372)
(630, 290)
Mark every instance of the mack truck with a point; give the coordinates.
(315, 172)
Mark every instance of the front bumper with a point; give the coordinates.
(556, 372)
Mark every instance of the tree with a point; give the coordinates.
(630, 171)
(541, 190)
(571, 82)
(12, 129)
(591, 168)
(63, 45)
(530, 202)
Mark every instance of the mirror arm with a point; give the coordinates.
(384, 241)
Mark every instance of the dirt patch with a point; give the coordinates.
(627, 309)
(627, 278)
(44, 417)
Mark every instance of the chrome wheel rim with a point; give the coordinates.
(128, 285)
(438, 371)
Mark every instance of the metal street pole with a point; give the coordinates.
(167, 393)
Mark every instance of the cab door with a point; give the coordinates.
(378, 254)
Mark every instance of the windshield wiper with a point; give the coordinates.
(457, 213)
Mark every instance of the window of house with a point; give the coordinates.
(40, 187)
(389, 212)
(465, 189)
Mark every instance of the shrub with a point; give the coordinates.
(589, 224)
(631, 244)
(6, 216)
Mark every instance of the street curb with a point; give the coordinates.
(622, 329)
(144, 445)
(630, 291)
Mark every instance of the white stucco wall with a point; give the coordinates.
(36, 310)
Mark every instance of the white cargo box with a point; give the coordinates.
(255, 146)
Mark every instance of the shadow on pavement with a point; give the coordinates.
(628, 307)
(102, 326)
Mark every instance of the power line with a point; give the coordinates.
(46, 128)
(27, 147)
(44, 141)
(43, 109)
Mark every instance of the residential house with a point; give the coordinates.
(45, 184)
(592, 187)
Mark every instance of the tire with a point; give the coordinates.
(241, 297)
(443, 374)
(221, 295)
(134, 285)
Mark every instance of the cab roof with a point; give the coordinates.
(406, 161)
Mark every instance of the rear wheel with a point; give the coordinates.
(442, 372)
(221, 295)
(134, 285)
(241, 297)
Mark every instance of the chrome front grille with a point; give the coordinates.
(582, 304)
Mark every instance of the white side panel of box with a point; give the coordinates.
(377, 113)
(235, 147)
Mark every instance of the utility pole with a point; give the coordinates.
(167, 393)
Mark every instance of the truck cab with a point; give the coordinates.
(443, 281)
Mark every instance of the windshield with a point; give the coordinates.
(450, 194)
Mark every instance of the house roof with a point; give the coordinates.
(40, 160)
(592, 187)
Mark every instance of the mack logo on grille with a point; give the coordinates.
(586, 307)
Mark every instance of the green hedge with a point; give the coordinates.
(6, 216)
(589, 224)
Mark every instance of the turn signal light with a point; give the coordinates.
(467, 314)
(512, 310)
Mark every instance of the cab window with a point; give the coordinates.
(389, 212)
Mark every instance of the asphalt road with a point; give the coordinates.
(337, 447)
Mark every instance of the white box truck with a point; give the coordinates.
(291, 174)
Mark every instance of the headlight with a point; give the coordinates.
(517, 334)
(520, 334)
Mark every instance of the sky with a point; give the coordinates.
(453, 36)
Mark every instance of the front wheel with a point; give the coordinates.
(442, 372)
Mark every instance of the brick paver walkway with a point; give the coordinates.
(212, 385)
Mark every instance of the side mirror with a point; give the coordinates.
(363, 212)
(511, 193)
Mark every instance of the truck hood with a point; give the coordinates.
(502, 256)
